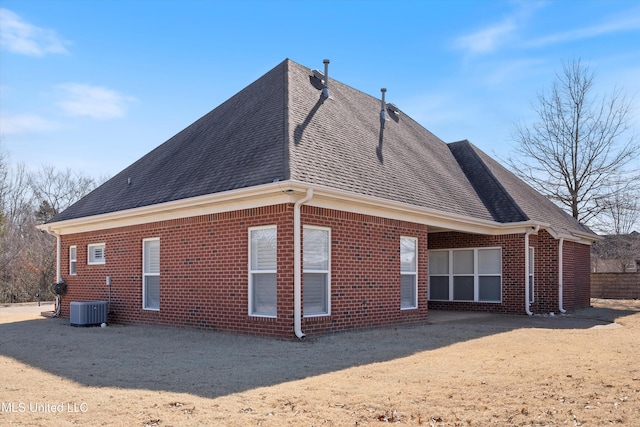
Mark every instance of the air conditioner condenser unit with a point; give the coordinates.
(88, 313)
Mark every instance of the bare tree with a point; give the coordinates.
(27, 256)
(580, 151)
(56, 190)
(622, 213)
(15, 231)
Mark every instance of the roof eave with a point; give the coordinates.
(290, 191)
(250, 197)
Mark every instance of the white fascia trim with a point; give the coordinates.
(245, 198)
(583, 238)
(331, 198)
(289, 192)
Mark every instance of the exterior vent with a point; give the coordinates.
(88, 313)
(392, 107)
(323, 78)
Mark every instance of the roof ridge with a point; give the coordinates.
(478, 173)
(286, 138)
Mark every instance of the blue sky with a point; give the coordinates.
(94, 85)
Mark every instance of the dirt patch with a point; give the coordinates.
(455, 371)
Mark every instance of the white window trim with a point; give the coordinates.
(90, 248)
(411, 273)
(476, 275)
(252, 272)
(145, 274)
(327, 272)
(73, 261)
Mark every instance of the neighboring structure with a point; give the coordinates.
(616, 253)
(303, 206)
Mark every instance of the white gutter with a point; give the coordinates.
(282, 192)
(527, 268)
(297, 264)
(560, 273)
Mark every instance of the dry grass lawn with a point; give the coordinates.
(480, 370)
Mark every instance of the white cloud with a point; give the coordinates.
(488, 39)
(24, 123)
(92, 101)
(629, 22)
(24, 38)
(501, 33)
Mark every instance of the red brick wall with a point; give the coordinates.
(204, 271)
(512, 269)
(546, 277)
(577, 275)
(576, 261)
(365, 288)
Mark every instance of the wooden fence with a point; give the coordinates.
(615, 285)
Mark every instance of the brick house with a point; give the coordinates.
(304, 206)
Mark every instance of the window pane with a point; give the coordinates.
(315, 292)
(407, 291)
(407, 254)
(72, 267)
(315, 251)
(264, 294)
(263, 249)
(439, 262)
(152, 256)
(489, 288)
(152, 292)
(439, 287)
(463, 288)
(489, 261)
(531, 257)
(72, 253)
(463, 262)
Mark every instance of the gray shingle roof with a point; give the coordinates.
(280, 128)
(239, 144)
(536, 206)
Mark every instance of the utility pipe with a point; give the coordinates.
(560, 273)
(325, 90)
(383, 107)
(297, 264)
(527, 268)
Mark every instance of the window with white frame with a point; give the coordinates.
(151, 274)
(531, 274)
(263, 271)
(73, 252)
(95, 253)
(316, 264)
(466, 275)
(408, 273)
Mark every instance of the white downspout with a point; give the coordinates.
(560, 273)
(58, 248)
(527, 268)
(58, 269)
(297, 265)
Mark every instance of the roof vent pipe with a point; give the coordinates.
(383, 108)
(325, 90)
